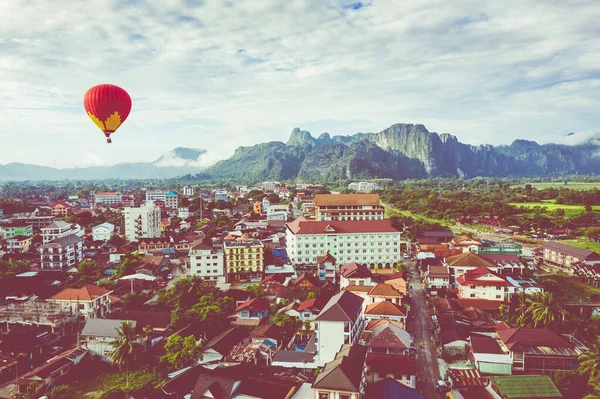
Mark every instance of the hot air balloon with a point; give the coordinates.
(108, 106)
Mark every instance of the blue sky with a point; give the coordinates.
(217, 75)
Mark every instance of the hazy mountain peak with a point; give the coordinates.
(182, 156)
(300, 137)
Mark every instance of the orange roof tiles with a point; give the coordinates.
(385, 308)
(384, 290)
(86, 293)
(346, 199)
(341, 227)
(469, 259)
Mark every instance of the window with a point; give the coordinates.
(323, 395)
(498, 296)
(343, 396)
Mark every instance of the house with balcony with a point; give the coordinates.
(565, 256)
(17, 228)
(483, 283)
(387, 336)
(61, 209)
(345, 376)
(348, 207)
(19, 244)
(103, 231)
(541, 351)
(62, 253)
(244, 258)
(356, 274)
(308, 310)
(327, 268)
(252, 312)
(462, 263)
(89, 301)
(60, 229)
(437, 277)
(399, 367)
(99, 335)
(340, 322)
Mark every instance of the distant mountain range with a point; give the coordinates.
(401, 151)
(178, 162)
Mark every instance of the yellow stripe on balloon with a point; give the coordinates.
(113, 122)
(97, 121)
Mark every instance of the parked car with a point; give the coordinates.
(170, 277)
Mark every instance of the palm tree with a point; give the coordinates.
(590, 360)
(545, 310)
(128, 348)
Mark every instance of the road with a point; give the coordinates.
(428, 372)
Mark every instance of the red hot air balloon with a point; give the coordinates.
(107, 106)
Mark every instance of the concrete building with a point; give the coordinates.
(183, 213)
(89, 301)
(60, 229)
(61, 209)
(108, 198)
(142, 222)
(363, 186)
(188, 191)
(340, 322)
(19, 244)
(483, 283)
(207, 261)
(348, 207)
(62, 253)
(98, 336)
(565, 256)
(103, 232)
(221, 195)
(244, 259)
(375, 243)
(270, 185)
(169, 198)
(17, 228)
(345, 376)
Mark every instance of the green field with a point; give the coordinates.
(568, 288)
(561, 184)
(390, 211)
(552, 205)
(584, 243)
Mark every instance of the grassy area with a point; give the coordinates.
(390, 211)
(584, 243)
(559, 184)
(568, 288)
(552, 205)
(95, 385)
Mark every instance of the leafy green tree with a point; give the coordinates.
(209, 309)
(310, 295)
(545, 310)
(255, 289)
(184, 293)
(61, 392)
(127, 348)
(181, 352)
(590, 360)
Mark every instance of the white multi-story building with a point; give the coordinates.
(339, 322)
(270, 185)
(371, 242)
(363, 186)
(89, 301)
(103, 231)
(142, 222)
(207, 261)
(108, 198)
(483, 283)
(183, 213)
(348, 207)
(170, 199)
(188, 191)
(221, 195)
(62, 253)
(60, 229)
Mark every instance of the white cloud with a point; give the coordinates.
(218, 76)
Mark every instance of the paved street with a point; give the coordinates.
(427, 364)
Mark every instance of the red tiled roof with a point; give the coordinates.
(533, 337)
(385, 308)
(61, 203)
(384, 290)
(483, 304)
(86, 293)
(341, 227)
(327, 257)
(258, 304)
(106, 194)
(315, 304)
(378, 322)
(468, 259)
(358, 288)
(356, 270)
(346, 199)
(473, 277)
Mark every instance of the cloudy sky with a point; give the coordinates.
(220, 74)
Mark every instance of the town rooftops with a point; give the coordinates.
(388, 335)
(326, 258)
(344, 306)
(346, 199)
(570, 250)
(389, 388)
(486, 344)
(477, 277)
(344, 372)
(385, 364)
(314, 304)
(341, 227)
(469, 259)
(438, 272)
(257, 304)
(384, 290)
(537, 340)
(526, 386)
(86, 293)
(385, 308)
(64, 241)
(102, 328)
(223, 342)
(356, 270)
(438, 233)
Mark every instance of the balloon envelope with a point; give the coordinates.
(108, 106)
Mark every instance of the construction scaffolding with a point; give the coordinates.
(35, 313)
